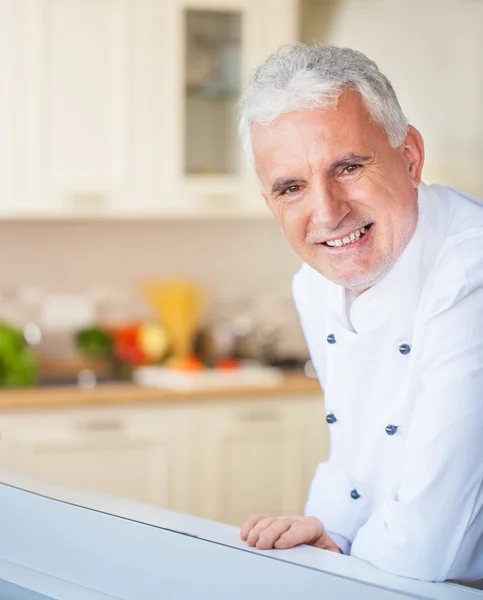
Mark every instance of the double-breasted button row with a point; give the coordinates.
(390, 429)
(403, 348)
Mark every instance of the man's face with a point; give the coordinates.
(344, 198)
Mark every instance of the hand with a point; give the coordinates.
(286, 532)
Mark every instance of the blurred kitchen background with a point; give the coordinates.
(134, 243)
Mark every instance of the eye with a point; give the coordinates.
(350, 169)
(291, 189)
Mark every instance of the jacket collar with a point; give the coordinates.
(397, 294)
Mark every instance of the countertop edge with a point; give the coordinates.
(129, 393)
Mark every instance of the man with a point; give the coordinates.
(390, 298)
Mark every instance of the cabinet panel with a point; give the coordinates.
(78, 71)
(256, 458)
(83, 123)
(87, 52)
(213, 65)
(254, 475)
(137, 454)
(137, 470)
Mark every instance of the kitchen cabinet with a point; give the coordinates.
(133, 453)
(213, 46)
(221, 460)
(126, 108)
(256, 457)
(80, 110)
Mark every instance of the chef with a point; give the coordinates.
(390, 298)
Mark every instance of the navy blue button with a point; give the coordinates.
(391, 429)
(330, 419)
(404, 348)
(331, 338)
(355, 494)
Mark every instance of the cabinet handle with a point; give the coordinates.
(87, 201)
(258, 416)
(101, 425)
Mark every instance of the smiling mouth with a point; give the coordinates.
(349, 239)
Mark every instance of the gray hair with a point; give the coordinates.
(304, 77)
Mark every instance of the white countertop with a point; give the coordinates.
(110, 547)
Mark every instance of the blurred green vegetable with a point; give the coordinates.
(11, 339)
(17, 362)
(94, 342)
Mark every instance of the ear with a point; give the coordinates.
(413, 152)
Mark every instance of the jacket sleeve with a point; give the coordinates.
(327, 501)
(328, 485)
(431, 525)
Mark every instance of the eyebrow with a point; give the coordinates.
(283, 182)
(344, 161)
(349, 159)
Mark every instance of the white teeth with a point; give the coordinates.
(349, 239)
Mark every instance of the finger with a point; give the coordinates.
(305, 531)
(271, 534)
(256, 531)
(249, 525)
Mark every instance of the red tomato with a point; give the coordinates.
(130, 353)
(126, 345)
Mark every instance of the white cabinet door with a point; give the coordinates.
(81, 120)
(98, 114)
(255, 457)
(211, 48)
(135, 454)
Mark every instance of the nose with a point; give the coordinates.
(328, 207)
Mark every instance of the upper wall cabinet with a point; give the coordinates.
(212, 46)
(128, 107)
(80, 107)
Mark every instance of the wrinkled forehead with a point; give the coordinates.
(348, 118)
(316, 137)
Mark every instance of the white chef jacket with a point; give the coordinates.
(402, 373)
